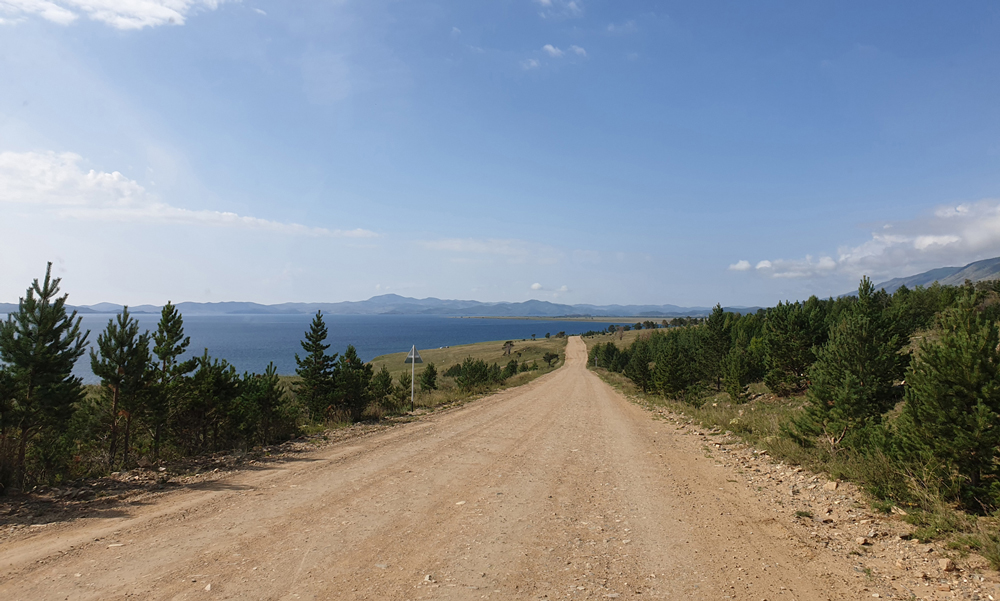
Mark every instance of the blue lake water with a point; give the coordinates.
(250, 342)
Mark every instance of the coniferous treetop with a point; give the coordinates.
(169, 340)
(41, 341)
(124, 352)
(313, 341)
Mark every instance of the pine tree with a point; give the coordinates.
(402, 390)
(169, 344)
(262, 410)
(353, 377)
(122, 362)
(854, 374)
(382, 391)
(951, 417)
(676, 368)
(637, 369)
(716, 344)
(428, 377)
(788, 340)
(736, 373)
(207, 419)
(40, 345)
(8, 391)
(317, 387)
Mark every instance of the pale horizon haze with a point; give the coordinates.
(575, 151)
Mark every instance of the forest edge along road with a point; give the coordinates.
(561, 488)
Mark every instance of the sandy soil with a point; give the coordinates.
(558, 489)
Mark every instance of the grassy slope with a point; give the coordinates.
(627, 338)
(490, 352)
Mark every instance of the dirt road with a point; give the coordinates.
(557, 489)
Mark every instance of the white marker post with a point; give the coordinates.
(413, 358)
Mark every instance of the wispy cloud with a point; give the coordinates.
(54, 183)
(626, 27)
(511, 250)
(553, 293)
(120, 14)
(740, 266)
(552, 51)
(950, 235)
(560, 8)
(556, 52)
(530, 63)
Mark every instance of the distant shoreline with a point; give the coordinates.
(599, 319)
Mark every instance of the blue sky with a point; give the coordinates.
(580, 152)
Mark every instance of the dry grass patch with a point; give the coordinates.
(524, 351)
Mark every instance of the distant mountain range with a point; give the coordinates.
(987, 269)
(393, 304)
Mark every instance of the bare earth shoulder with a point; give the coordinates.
(557, 489)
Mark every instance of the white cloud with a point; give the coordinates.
(47, 10)
(259, 12)
(626, 27)
(560, 8)
(578, 50)
(120, 14)
(511, 250)
(925, 242)
(741, 265)
(951, 235)
(529, 64)
(563, 288)
(455, 31)
(536, 286)
(552, 51)
(54, 184)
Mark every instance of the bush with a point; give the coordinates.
(428, 378)
(511, 369)
(474, 374)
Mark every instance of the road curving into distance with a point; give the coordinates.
(557, 489)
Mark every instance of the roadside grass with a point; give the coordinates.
(890, 486)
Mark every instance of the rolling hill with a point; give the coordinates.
(987, 269)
